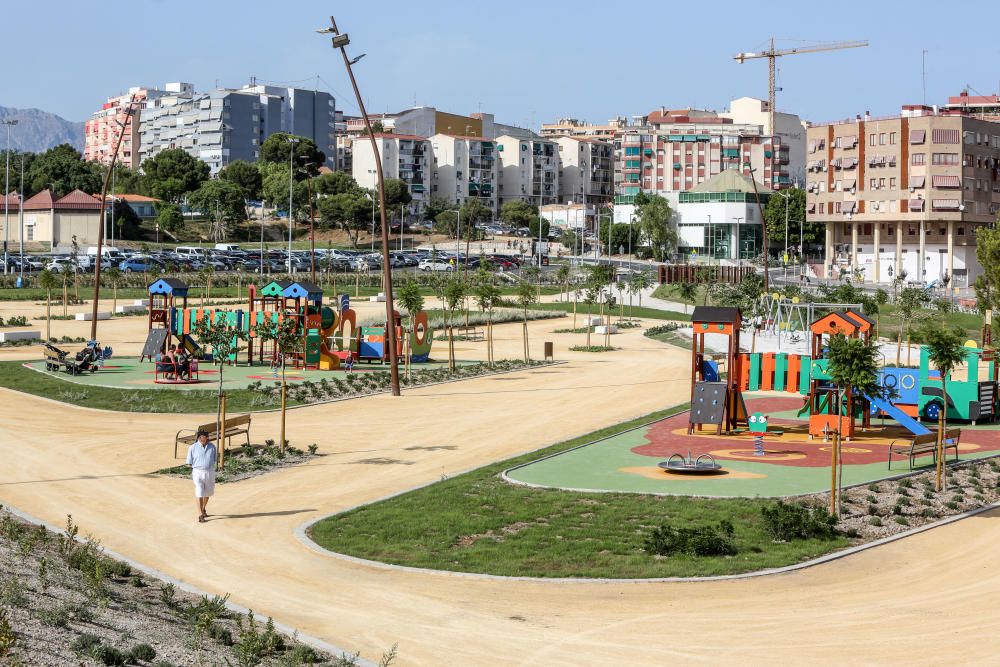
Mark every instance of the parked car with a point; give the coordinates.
(138, 263)
(436, 264)
(62, 264)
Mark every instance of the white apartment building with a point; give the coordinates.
(585, 171)
(788, 127)
(529, 170)
(464, 167)
(404, 156)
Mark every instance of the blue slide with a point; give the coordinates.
(905, 420)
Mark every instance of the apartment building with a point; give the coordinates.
(464, 167)
(904, 193)
(304, 113)
(983, 107)
(720, 218)
(529, 170)
(571, 127)
(585, 171)
(672, 151)
(102, 129)
(405, 157)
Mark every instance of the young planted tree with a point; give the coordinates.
(488, 298)
(911, 299)
(686, 292)
(853, 369)
(600, 278)
(454, 291)
(412, 301)
(74, 257)
(642, 283)
(525, 298)
(946, 351)
(47, 281)
(223, 338)
(562, 276)
(207, 272)
(287, 339)
(532, 275)
(114, 276)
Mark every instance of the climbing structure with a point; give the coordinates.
(716, 398)
(826, 412)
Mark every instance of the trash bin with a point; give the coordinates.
(19, 283)
(548, 351)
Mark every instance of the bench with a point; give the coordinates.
(233, 426)
(470, 333)
(921, 445)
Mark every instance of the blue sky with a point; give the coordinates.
(526, 62)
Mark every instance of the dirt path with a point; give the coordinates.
(873, 607)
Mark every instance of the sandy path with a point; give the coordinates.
(916, 601)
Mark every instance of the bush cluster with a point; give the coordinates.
(706, 540)
(785, 522)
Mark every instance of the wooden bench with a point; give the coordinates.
(233, 426)
(470, 333)
(921, 445)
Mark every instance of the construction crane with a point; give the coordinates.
(771, 54)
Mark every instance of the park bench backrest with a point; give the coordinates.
(925, 439)
(231, 422)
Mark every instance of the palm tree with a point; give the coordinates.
(946, 352)
(47, 281)
(525, 298)
(686, 292)
(642, 282)
(114, 276)
(412, 301)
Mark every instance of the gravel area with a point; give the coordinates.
(64, 603)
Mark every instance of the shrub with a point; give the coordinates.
(874, 521)
(790, 521)
(143, 652)
(901, 520)
(312, 448)
(703, 541)
(871, 499)
(873, 487)
(108, 655)
(84, 643)
(872, 509)
(951, 504)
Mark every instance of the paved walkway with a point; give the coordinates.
(870, 608)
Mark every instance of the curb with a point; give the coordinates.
(315, 642)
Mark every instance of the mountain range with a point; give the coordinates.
(38, 130)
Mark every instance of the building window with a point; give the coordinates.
(944, 158)
(881, 139)
(881, 182)
(871, 139)
(892, 183)
(892, 230)
(918, 159)
(892, 138)
(872, 183)
(961, 231)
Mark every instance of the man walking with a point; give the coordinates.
(201, 457)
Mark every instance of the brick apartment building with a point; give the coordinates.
(904, 193)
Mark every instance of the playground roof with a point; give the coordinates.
(303, 289)
(837, 322)
(169, 286)
(715, 314)
(865, 324)
(275, 288)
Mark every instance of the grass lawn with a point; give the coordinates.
(15, 376)
(889, 323)
(595, 309)
(476, 522)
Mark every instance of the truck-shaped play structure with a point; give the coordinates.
(909, 394)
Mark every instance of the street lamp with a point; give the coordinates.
(340, 41)
(291, 186)
(739, 257)
(711, 241)
(374, 174)
(11, 122)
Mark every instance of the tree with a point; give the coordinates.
(222, 201)
(911, 299)
(396, 194)
(48, 281)
(617, 236)
(446, 222)
(436, 206)
(454, 292)
(601, 276)
(334, 183)
(245, 176)
(654, 222)
(488, 297)
(518, 213)
(223, 338)
(275, 189)
(525, 295)
(130, 181)
(474, 212)
(350, 211)
(853, 370)
(378, 127)
(411, 300)
(172, 173)
(114, 276)
(774, 216)
(535, 224)
(562, 277)
(686, 292)
(16, 160)
(126, 220)
(946, 351)
(169, 217)
(276, 149)
(63, 169)
(642, 282)
(287, 339)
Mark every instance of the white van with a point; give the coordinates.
(112, 253)
(190, 252)
(228, 247)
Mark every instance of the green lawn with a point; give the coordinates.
(889, 323)
(13, 375)
(476, 522)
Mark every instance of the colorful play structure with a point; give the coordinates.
(910, 394)
(329, 335)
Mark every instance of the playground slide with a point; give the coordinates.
(191, 346)
(905, 420)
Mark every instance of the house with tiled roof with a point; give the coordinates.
(51, 223)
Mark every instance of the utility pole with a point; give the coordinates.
(291, 185)
(341, 41)
(6, 191)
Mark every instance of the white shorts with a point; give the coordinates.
(204, 482)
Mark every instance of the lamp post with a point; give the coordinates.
(739, 257)
(20, 218)
(711, 240)
(763, 225)
(11, 122)
(291, 186)
(340, 41)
